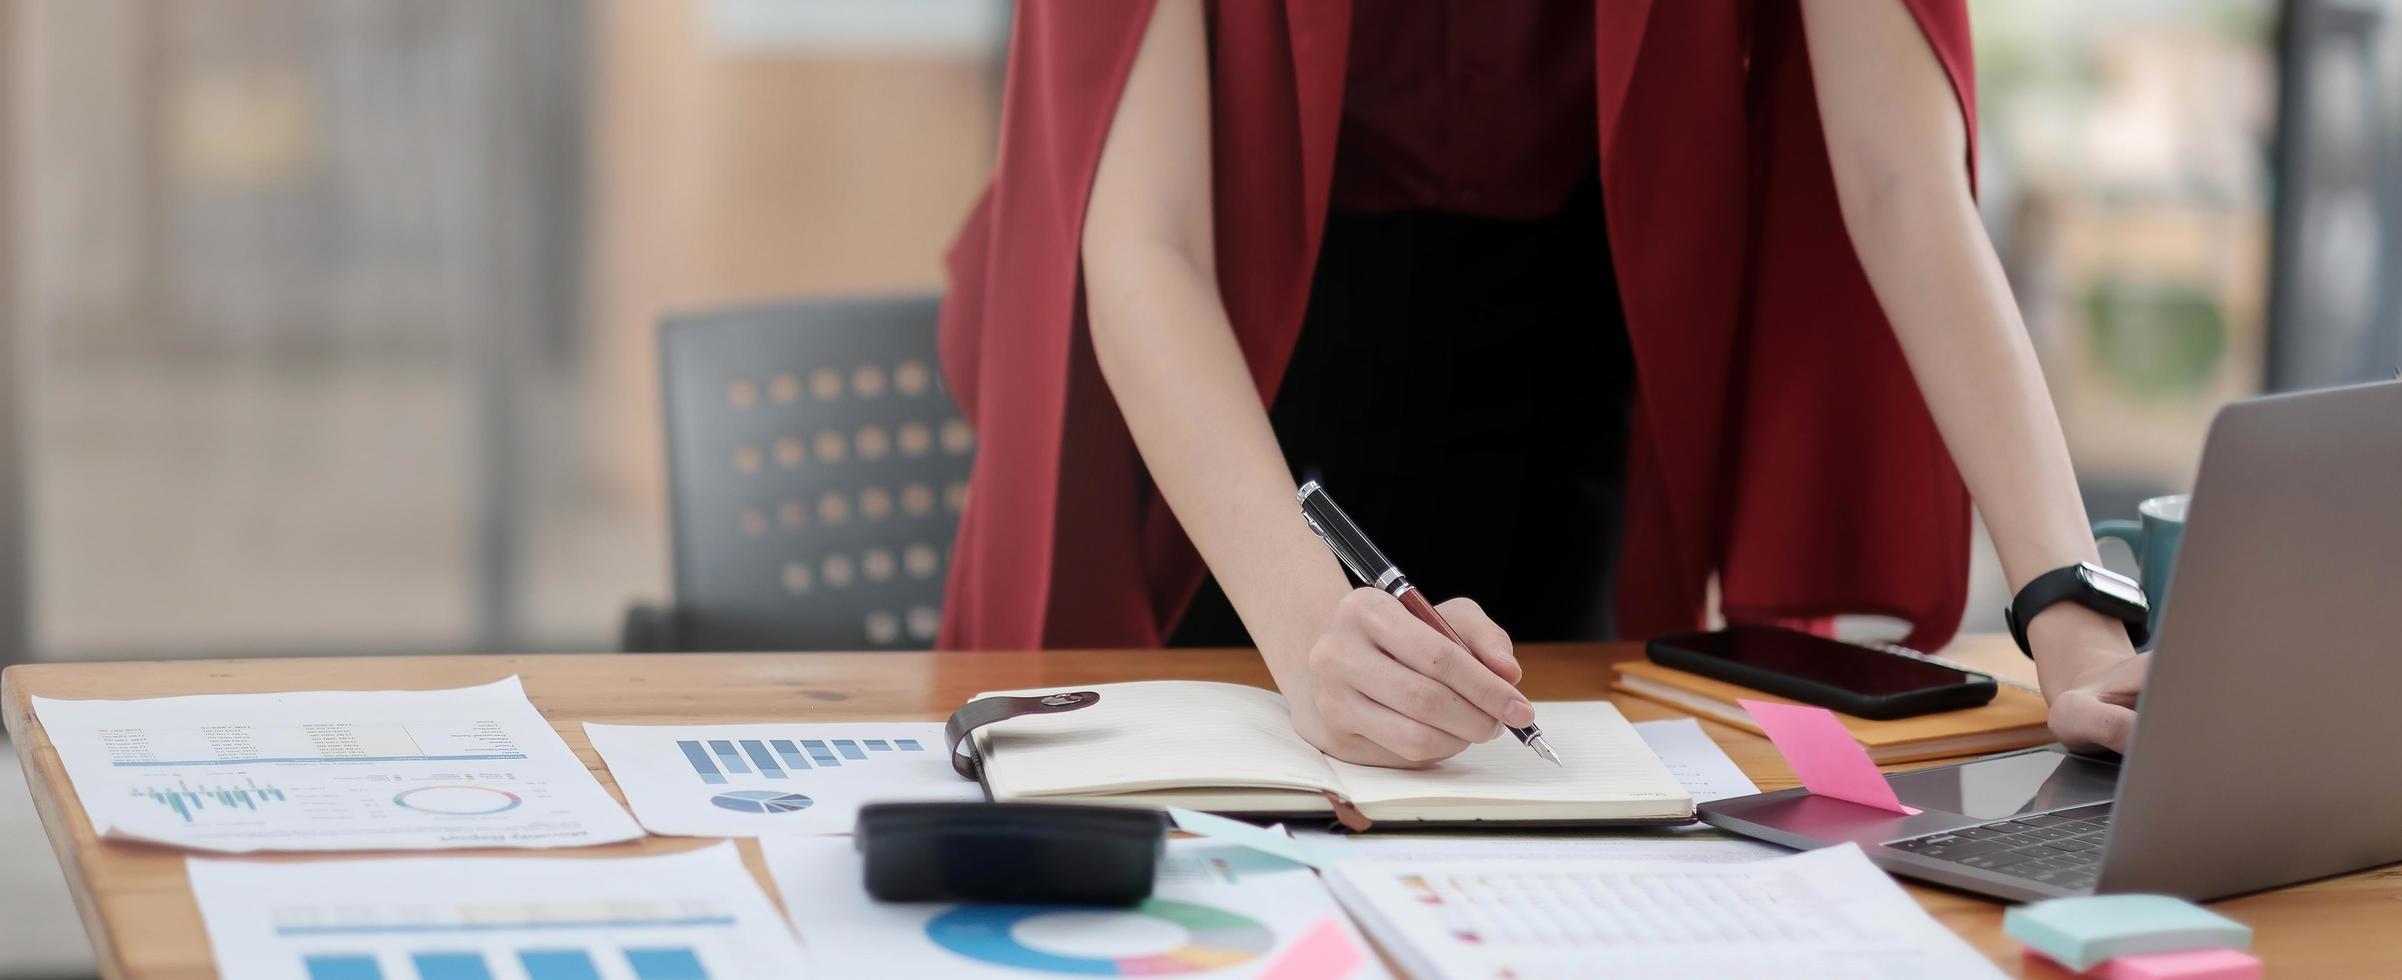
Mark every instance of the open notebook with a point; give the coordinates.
(1230, 748)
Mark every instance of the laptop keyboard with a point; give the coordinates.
(2062, 849)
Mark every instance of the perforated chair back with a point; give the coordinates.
(817, 469)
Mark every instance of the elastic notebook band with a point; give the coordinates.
(984, 711)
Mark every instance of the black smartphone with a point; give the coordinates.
(1855, 680)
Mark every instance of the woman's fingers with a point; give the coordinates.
(1415, 695)
(1486, 639)
(1411, 742)
(1390, 690)
(2082, 721)
(1420, 648)
(2100, 709)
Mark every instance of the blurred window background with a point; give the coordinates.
(334, 317)
(2180, 228)
(327, 325)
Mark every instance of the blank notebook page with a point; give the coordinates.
(1606, 759)
(1152, 735)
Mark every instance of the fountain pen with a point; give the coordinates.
(1361, 557)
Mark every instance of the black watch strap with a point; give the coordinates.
(2074, 583)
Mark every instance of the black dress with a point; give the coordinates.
(1461, 384)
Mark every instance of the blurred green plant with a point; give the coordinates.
(2159, 341)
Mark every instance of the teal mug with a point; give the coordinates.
(2154, 539)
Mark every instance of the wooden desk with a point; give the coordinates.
(137, 905)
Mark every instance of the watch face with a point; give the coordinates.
(2115, 586)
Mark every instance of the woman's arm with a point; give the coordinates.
(1169, 354)
(1900, 153)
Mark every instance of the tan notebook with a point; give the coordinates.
(2014, 719)
(1231, 748)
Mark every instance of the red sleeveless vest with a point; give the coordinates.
(1779, 441)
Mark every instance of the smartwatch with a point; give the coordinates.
(2086, 584)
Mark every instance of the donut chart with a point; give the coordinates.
(1214, 939)
(458, 801)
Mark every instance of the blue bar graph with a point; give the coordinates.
(558, 964)
(184, 803)
(718, 760)
(186, 799)
(760, 758)
(666, 964)
(451, 966)
(700, 762)
(727, 754)
(333, 966)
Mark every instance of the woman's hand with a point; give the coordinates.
(2091, 676)
(1381, 688)
(2097, 710)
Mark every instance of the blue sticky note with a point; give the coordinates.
(2081, 932)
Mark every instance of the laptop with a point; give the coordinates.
(2268, 748)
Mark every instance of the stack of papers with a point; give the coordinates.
(332, 771)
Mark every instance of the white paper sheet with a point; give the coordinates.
(1697, 762)
(1820, 914)
(1273, 840)
(755, 780)
(332, 770)
(698, 915)
(1695, 759)
(1217, 912)
(1616, 846)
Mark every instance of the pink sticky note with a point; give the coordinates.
(1326, 952)
(2192, 964)
(1828, 760)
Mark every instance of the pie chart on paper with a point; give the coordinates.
(1157, 938)
(761, 801)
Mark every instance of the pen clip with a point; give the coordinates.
(1335, 544)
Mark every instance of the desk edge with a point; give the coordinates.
(46, 779)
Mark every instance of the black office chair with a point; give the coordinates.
(816, 471)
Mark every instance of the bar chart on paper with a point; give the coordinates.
(206, 775)
(187, 800)
(717, 759)
(652, 963)
(560, 944)
(691, 916)
(745, 780)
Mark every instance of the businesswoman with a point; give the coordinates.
(1580, 307)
